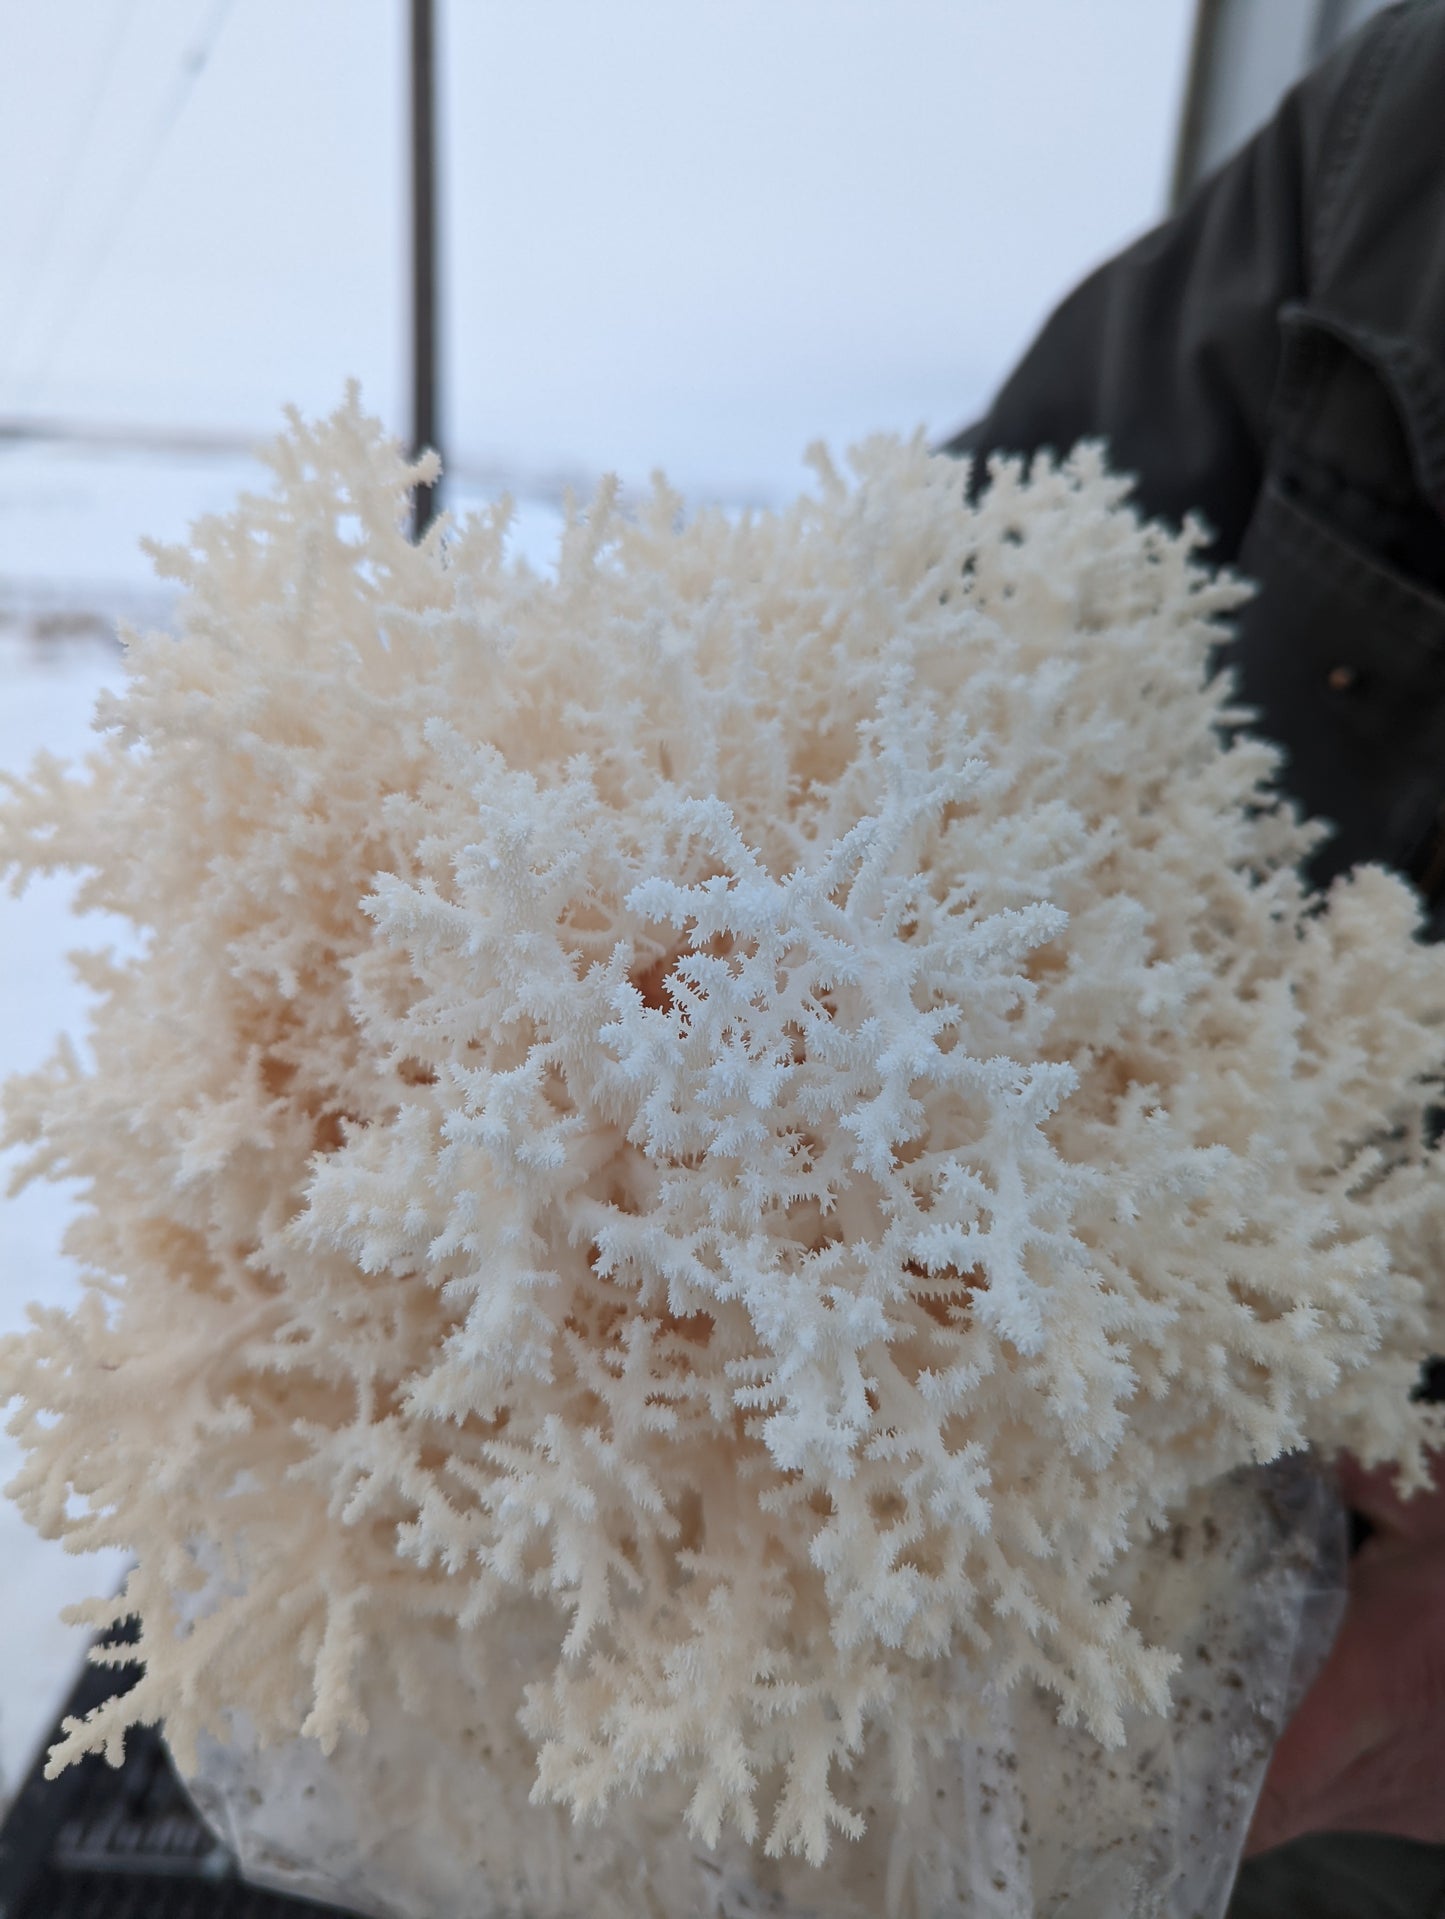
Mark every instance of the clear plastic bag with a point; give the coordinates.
(1034, 1821)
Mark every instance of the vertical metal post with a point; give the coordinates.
(424, 304)
(1186, 167)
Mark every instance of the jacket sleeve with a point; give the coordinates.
(1169, 352)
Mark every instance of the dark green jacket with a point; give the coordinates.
(1273, 358)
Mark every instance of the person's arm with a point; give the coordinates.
(1170, 351)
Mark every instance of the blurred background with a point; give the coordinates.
(692, 235)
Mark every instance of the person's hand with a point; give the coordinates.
(1365, 1751)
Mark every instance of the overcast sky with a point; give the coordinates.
(695, 232)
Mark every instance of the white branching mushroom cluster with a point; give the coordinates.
(778, 1093)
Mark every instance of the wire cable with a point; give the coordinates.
(52, 215)
(132, 185)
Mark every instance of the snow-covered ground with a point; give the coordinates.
(72, 518)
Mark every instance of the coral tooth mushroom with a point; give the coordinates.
(777, 1094)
